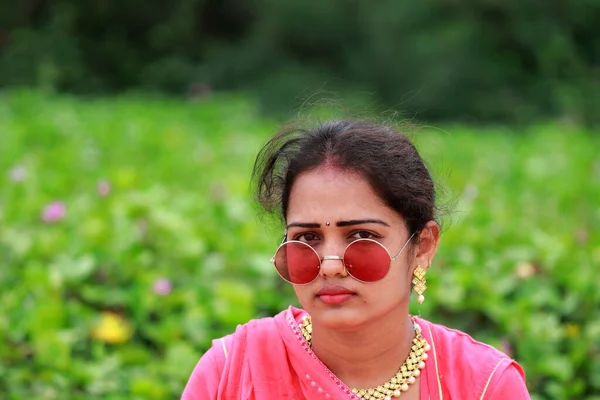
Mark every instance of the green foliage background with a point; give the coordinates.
(516, 268)
(512, 61)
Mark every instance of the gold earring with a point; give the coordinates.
(419, 283)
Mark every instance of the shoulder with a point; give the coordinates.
(450, 340)
(221, 365)
(460, 359)
(253, 332)
(509, 383)
(256, 332)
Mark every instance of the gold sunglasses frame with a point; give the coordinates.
(325, 258)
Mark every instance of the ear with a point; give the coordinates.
(427, 244)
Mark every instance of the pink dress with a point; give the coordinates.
(269, 359)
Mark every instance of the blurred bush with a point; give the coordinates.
(445, 60)
(128, 241)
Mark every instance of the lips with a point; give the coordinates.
(334, 290)
(334, 295)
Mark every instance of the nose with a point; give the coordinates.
(332, 265)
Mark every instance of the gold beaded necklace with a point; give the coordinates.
(405, 376)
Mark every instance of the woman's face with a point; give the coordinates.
(353, 211)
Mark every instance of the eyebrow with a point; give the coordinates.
(340, 224)
(360, 222)
(303, 225)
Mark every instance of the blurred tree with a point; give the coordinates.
(443, 59)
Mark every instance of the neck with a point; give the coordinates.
(366, 355)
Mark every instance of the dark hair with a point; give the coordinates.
(386, 158)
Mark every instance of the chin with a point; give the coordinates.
(339, 318)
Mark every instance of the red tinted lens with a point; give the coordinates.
(367, 260)
(297, 262)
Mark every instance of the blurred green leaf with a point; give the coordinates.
(516, 265)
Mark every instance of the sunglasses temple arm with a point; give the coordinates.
(402, 249)
(272, 260)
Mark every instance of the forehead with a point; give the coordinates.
(328, 194)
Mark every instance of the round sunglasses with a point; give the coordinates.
(366, 260)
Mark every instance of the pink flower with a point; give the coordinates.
(54, 212)
(162, 287)
(103, 188)
(18, 173)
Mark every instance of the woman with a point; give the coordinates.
(358, 204)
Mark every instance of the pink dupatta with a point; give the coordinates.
(269, 359)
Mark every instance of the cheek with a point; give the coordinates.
(302, 294)
(403, 275)
(397, 282)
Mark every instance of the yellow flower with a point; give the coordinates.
(112, 328)
(572, 329)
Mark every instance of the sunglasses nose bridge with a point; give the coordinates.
(332, 268)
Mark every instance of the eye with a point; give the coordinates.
(306, 237)
(364, 235)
